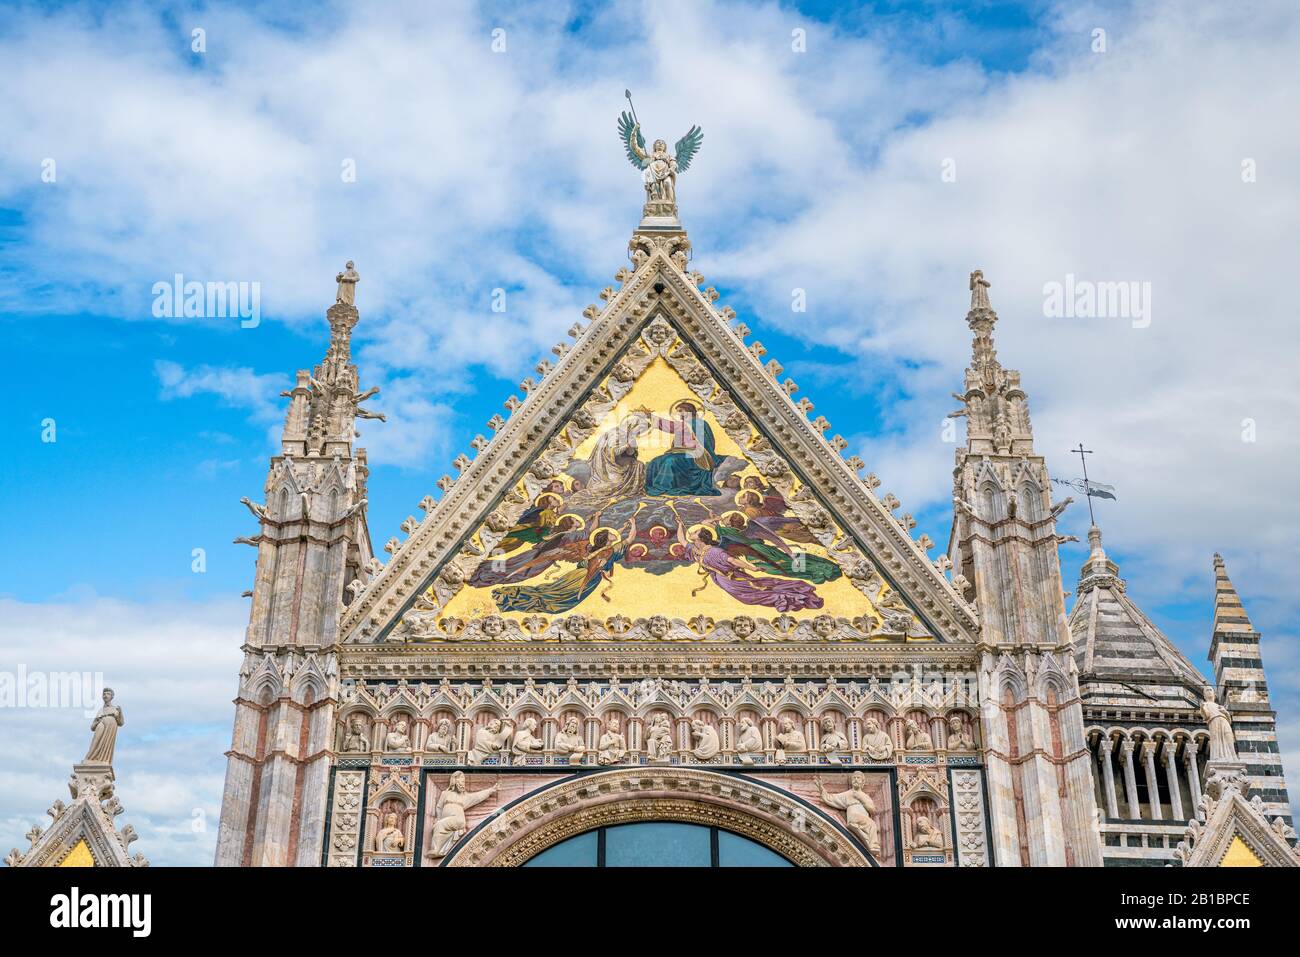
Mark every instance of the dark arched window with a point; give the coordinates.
(658, 844)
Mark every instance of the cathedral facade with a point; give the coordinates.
(657, 616)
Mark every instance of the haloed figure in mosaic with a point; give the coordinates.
(687, 468)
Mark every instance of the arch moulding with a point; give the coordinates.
(772, 817)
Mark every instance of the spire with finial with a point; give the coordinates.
(1098, 570)
(324, 403)
(997, 419)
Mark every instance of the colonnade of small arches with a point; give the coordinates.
(1148, 773)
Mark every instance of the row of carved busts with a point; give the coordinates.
(658, 735)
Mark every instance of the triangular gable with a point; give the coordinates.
(659, 341)
(1233, 832)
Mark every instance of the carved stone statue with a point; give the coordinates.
(569, 741)
(356, 738)
(449, 823)
(490, 740)
(832, 740)
(1223, 743)
(918, 738)
(103, 731)
(706, 740)
(858, 807)
(612, 746)
(790, 737)
(390, 839)
(659, 739)
(749, 740)
(959, 738)
(397, 738)
(526, 740)
(347, 281)
(927, 835)
(877, 743)
(659, 168)
(441, 740)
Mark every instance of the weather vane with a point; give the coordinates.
(659, 168)
(1085, 485)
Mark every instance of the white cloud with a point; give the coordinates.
(174, 668)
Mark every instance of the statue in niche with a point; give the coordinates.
(449, 815)
(490, 740)
(926, 834)
(959, 737)
(858, 807)
(877, 743)
(706, 740)
(831, 739)
(526, 740)
(748, 741)
(612, 746)
(569, 741)
(918, 738)
(347, 281)
(1223, 743)
(790, 737)
(659, 739)
(397, 738)
(390, 839)
(356, 738)
(441, 740)
(103, 731)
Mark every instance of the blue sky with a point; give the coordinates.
(820, 170)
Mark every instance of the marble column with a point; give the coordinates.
(1105, 747)
(1130, 782)
(1170, 761)
(1193, 773)
(1149, 767)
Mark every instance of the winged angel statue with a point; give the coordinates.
(659, 168)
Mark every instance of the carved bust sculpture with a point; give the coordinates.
(103, 731)
(356, 739)
(449, 823)
(612, 746)
(397, 738)
(748, 741)
(927, 835)
(1223, 746)
(441, 739)
(918, 738)
(489, 740)
(706, 740)
(858, 807)
(791, 738)
(569, 741)
(526, 740)
(390, 839)
(832, 740)
(877, 743)
(659, 739)
(959, 738)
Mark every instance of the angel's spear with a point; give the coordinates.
(628, 94)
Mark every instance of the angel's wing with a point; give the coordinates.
(635, 146)
(687, 147)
